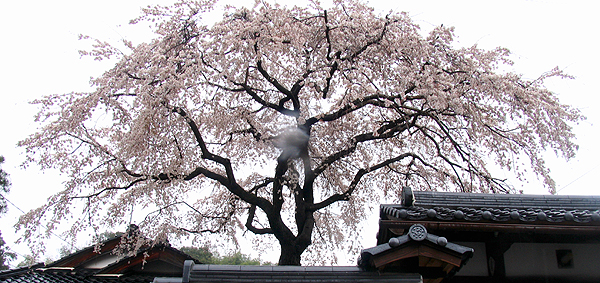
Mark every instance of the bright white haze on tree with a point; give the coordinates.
(285, 120)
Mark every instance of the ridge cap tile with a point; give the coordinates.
(257, 268)
(318, 268)
(215, 267)
(347, 268)
(288, 268)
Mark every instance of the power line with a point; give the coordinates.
(23, 212)
(578, 178)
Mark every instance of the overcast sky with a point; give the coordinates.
(39, 55)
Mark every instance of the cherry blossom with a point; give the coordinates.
(286, 122)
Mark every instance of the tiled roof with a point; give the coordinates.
(416, 233)
(43, 275)
(446, 206)
(89, 265)
(519, 201)
(298, 274)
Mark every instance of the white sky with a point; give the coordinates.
(39, 55)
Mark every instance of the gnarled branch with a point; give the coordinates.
(251, 228)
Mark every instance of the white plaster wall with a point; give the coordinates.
(539, 259)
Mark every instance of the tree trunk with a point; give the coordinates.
(290, 254)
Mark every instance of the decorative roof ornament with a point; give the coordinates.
(408, 198)
(417, 232)
(417, 243)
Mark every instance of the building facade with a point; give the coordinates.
(515, 238)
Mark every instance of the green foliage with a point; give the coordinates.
(28, 261)
(4, 182)
(5, 254)
(205, 256)
(202, 254)
(4, 186)
(238, 259)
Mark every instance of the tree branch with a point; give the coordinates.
(375, 100)
(279, 108)
(387, 130)
(251, 228)
(358, 176)
(229, 180)
(198, 231)
(289, 94)
(369, 43)
(131, 184)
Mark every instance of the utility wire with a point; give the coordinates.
(578, 178)
(52, 233)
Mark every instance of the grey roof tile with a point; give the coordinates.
(46, 276)
(300, 274)
(471, 207)
(212, 267)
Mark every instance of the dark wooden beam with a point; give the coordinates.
(494, 227)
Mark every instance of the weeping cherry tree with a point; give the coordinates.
(288, 123)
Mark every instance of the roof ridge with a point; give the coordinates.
(524, 201)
